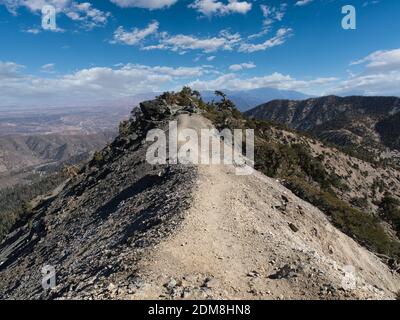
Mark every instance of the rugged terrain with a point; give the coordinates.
(18, 152)
(368, 125)
(125, 229)
(69, 120)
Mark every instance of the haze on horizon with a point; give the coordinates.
(114, 50)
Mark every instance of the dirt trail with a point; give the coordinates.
(248, 237)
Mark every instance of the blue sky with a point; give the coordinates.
(108, 49)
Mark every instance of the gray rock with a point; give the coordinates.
(293, 227)
(155, 110)
(285, 272)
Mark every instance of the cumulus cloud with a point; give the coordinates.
(242, 66)
(9, 70)
(35, 5)
(380, 75)
(224, 41)
(380, 61)
(181, 43)
(215, 7)
(276, 80)
(134, 36)
(88, 85)
(373, 84)
(272, 14)
(146, 4)
(84, 13)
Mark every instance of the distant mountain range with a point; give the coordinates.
(247, 99)
(370, 123)
(243, 99)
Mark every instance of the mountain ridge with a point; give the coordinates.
(125, 229)
(366, 123)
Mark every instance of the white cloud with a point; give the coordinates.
(260, 34)
(181, 72)
(211, 7)
(378, 61)
(88, 85)
(373, 84)
(280, 38)
(301, 3)
(48, 68)
(211, 58)
(146, 4)
(380, 75)
(276, 80)
(35, 5)
(181, 43)
(84, 13)
(32, 30)
(9, 70)
(272, 14)
(136, 35)
(242, 66)
(122, 80)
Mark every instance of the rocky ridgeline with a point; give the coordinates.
(368, 125)
(108, 230)
(96, 228)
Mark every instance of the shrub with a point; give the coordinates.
(15, 201)
(308, 177)
(98, 157)
(124, 128)
(389, 209)
(361, 226)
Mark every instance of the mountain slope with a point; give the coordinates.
(126, 229)
(98, 224)
(365, 123)
(238, 242)
(18, 152)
